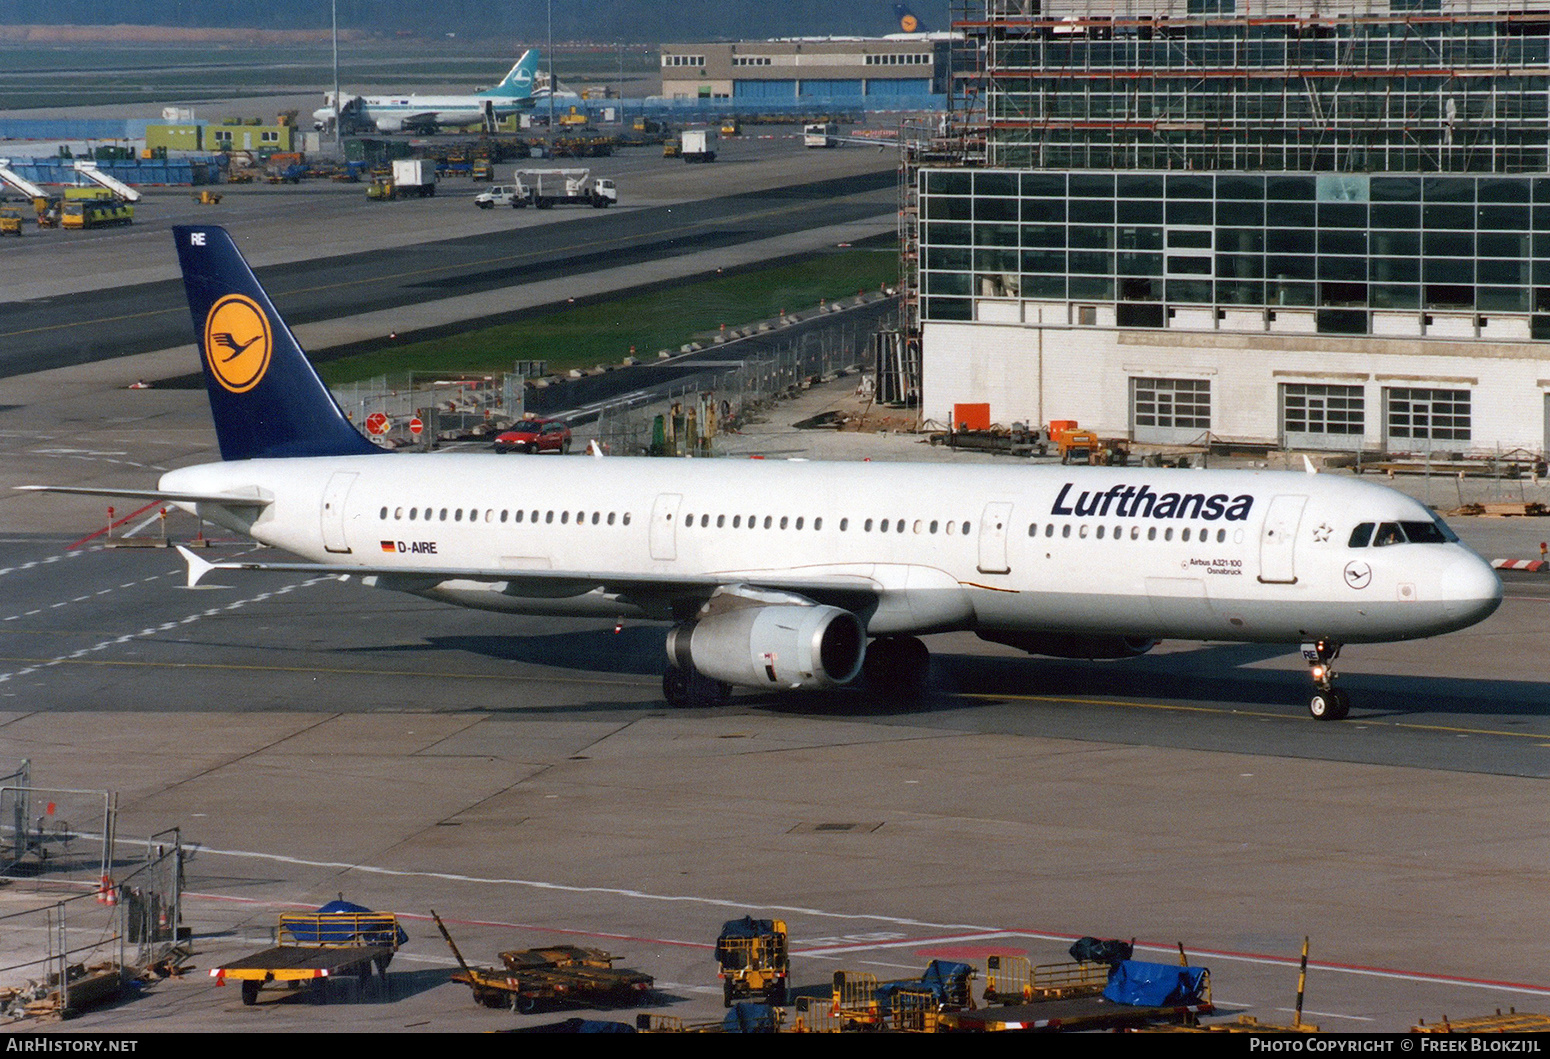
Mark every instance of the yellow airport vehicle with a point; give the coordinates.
(754, 961)
(316, 946)
(1014, 980)
(206, 197)
(10, 220)
(94, 211)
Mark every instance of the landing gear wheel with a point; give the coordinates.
(895, 667)
(1331, 705)
(682, 687)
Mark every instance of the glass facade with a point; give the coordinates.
(1340, 86)
(1343, 245)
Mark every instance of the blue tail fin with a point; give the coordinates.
(518, 81)
(266, 399)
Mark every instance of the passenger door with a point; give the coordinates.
(1278, 540)
(993, 524)
(664, 531)
(334, 497)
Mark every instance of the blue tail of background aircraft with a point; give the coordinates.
(908, 21)
(518, 81)
(266, 398)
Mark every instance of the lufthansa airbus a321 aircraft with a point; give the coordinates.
(790, 575)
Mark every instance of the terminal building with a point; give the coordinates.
(890, 73)
(1309, 223)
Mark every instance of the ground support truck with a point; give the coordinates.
(564, 187)
(753, 960)
(312, 947)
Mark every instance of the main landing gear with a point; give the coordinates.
(895, 667)
(690, 687)
(1328, 703)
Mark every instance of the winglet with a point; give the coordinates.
(1308, 465)
(197, 567)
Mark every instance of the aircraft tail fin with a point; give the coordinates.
(909, 22)
(265, 397)
(518, 81)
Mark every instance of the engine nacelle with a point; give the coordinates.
(1071, 645)
(772, 646)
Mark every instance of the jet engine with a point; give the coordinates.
(1071, 645)
(772, 646)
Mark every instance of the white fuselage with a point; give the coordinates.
(392, 113)
(1205, 555)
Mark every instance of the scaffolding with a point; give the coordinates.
(1397, 86)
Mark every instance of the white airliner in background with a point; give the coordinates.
(411, 113)
(789, 575)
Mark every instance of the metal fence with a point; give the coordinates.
(457, 405)
(684, 417)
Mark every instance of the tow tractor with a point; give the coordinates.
(754, 960)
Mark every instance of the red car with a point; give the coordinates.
(535, 435)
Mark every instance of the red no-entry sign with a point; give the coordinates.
(416, 427)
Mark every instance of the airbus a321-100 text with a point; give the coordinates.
(792, 575)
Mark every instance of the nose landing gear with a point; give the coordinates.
(1328, 702)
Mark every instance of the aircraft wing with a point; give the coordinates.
(228, 499)
(849, 592)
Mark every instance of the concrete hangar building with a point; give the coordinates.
(888, 73)
(1318, 223)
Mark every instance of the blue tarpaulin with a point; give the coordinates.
(1142, 984)
(750, 1018)
(344, 931)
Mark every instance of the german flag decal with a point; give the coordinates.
(389, 546)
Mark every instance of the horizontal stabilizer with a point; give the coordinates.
(226, 499)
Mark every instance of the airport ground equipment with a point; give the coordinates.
(698, 145)
(754, 960)
(564, 187)
(513, 195)
(10, 220)
(338, 940)
(207, 197)
(1015, 980)
(1513, 1021)
(410, 178)
(822, 134)
(46, 206)
(550, 977)
(672, 147)
(114, 186)
(1138, 994)
(743, 1018)
(94, 208)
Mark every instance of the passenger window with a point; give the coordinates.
(1033, 530)
(1135, 533)
(1119, 531)
(443, 514)
(548, 517)
(737, 521)
(1221, 535)
(933, 526)
(951, 528)
(782, 521)
(564, 517)
(721, 520)
(844, 524)
(383, 516)
(626, 518)
(1065, 531)
(515, 518)
(768, 520)
(398, 514)
(898, 527)
(1100, 532)
(595, 516)
(504, 513)
(799, 522)
(412, 513)
(610, 518)
(1082, 530)
(1185, 535)
(866, 527)
(1049, 529)
(818, 523)
(1168, 534)
(965, 529)
(1388, 533)
(1151, 533)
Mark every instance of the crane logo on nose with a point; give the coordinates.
(1358, 575)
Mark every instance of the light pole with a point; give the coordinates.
(338, 134)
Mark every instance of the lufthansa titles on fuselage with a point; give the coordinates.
(1129, 501)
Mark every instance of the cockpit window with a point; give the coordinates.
(1424, 533)
(1360, 536)
(1388, 533)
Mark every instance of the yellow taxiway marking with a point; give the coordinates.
(1454, 729)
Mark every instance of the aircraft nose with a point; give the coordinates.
(1470, 589)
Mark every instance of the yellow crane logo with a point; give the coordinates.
(237, 343)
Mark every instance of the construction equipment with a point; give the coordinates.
(753, 959)
(549, 977)
(338, 940)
